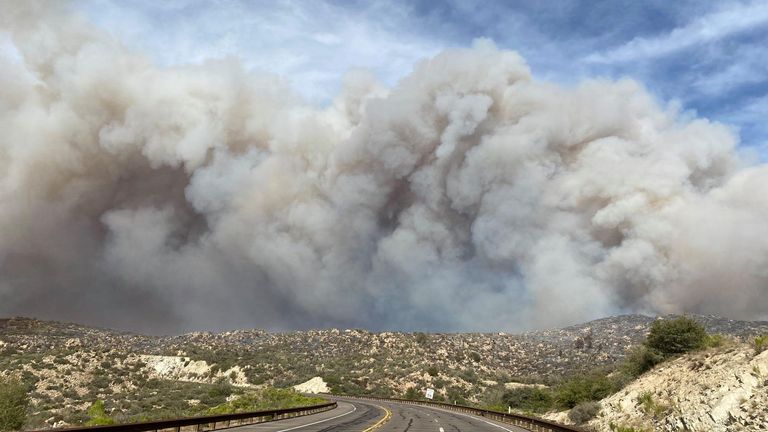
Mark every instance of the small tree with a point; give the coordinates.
(13, 404)
(671, 337)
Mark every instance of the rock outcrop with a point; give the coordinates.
(315, 386)
(719, 390)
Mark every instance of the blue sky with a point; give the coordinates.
(708, 56)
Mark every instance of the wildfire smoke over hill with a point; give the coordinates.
(469, 196)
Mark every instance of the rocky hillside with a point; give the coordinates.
(718, 390)
(69, 365)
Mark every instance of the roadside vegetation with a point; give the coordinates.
(213, 401)
(761, 344)
(13, 404)
(667, 340)
(265, 399)
(151, 399)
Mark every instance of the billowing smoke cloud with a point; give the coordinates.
(468, 197)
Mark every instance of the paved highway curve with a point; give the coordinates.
(359, 416)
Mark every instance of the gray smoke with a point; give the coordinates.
(468, 197)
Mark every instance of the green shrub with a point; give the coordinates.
(432, 371)
(532, 399)
(99, 382)
(98, 415)
(456, 395)
(641, 359)
(667, 339)
(584, 412)
(221, 389)
(584, 388)
(13, 404)
(714, 341)
(422, 338)
(268, 398)
(412, 394)
(676, 336)
(761, 344)
(469, 375)
(650, 406)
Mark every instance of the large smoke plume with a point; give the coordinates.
(468, 197)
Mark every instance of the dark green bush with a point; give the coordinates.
(412, 394)
(221, 388)
(641, 359)
(584, 388)
(668, 338)
(456, 395)
(13, 404)
(99, 382)
(422, 338)
(676, 336)
(532, 399)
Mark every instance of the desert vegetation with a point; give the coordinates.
(74, 375)
(667, 339)
(14, 402)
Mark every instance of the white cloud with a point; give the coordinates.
(717, 25)
(312, 45)
(734, 75)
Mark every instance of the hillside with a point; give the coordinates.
(70, 366)
(718, 390)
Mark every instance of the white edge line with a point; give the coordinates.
(354, 408)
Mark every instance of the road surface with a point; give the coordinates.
(353, 415)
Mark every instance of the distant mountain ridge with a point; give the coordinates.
(528, 355)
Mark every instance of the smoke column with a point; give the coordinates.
(470, 196)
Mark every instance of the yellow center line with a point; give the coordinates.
(387, 416)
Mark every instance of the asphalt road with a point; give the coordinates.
(415, 418)
(348, 416)
(358, 416)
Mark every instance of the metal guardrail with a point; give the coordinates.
(531, 423)
(206, 423)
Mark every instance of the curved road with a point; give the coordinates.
(354, 415)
